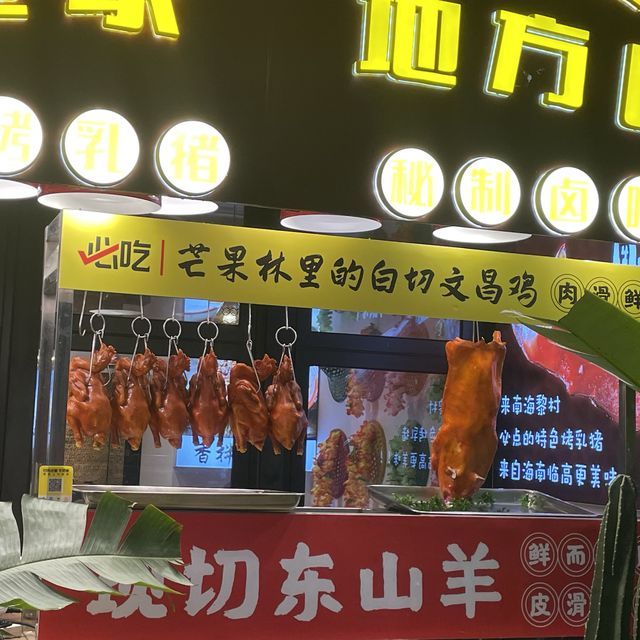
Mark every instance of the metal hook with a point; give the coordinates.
(142, 334)
(173, 339)
(208, 342)
(205, 323)
(82, 332)
(100, 330)
(250, 349)
(172, 336)
(139, 336)
(286, 346)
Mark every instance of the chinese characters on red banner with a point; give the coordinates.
(435, 577)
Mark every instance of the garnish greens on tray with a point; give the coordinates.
(481, 502)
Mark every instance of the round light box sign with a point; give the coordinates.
(20, 136)
(486, 192)
(566, 200)
(624, 209)
(409, 183)
(100, 147)
(193, 158)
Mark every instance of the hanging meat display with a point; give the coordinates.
(249, 413)
(88, 407)
(169, 399)
(131, 398)
(466, 443)
(367, 463)
(284, 400)
(208, 407)
(403, 384)
(330, 469)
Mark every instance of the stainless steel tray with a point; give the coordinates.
(194, 497)
(507, 501)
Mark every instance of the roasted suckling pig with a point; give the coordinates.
(208, 408)
(249, 413)
(88, 407)
(131, 398)
(284, 401)
(466, 443)
(169, 400)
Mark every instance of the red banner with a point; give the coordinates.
(356, 576)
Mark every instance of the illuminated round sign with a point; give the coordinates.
(409, 183)
(566, 200)
(193, 158)
(486, 192)
(20, 136)
(624, 208)
(100, 147)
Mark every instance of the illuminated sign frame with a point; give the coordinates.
(13, 136)
(494, 192)
(129, 155)
(546, 218)
(413, 182)
(187, 186)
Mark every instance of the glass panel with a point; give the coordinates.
(155, 308)
(377, 324)
(558, 421)
(372, 427)
(220, 312)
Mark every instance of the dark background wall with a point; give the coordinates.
(21, 246)
(276, 78)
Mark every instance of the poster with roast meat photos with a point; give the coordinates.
(557, 424)
(375, 426)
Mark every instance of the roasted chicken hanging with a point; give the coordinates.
(249, 413)
(466, 443)
(169, 400)
(88, 407)
(131, 398)
(284, 400)
(208, 406)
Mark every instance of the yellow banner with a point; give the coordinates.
(123, 254)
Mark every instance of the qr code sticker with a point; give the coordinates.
(55, 485)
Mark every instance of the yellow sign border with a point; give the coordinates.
(98, 252)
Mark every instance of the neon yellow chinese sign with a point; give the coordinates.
(486, 192)
(13, 10)
(418, 42)
(411, 41)
(100, 147)
(192, 158)
(117, 15)
(129, 15)
(515, 32)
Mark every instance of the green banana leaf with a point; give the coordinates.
(598, 332)
(55, 550)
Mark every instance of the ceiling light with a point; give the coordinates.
(465, 235)
(16, 190)
(185, 207)
(326, 223)
(96, 200)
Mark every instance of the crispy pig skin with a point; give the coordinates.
(464, 448)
